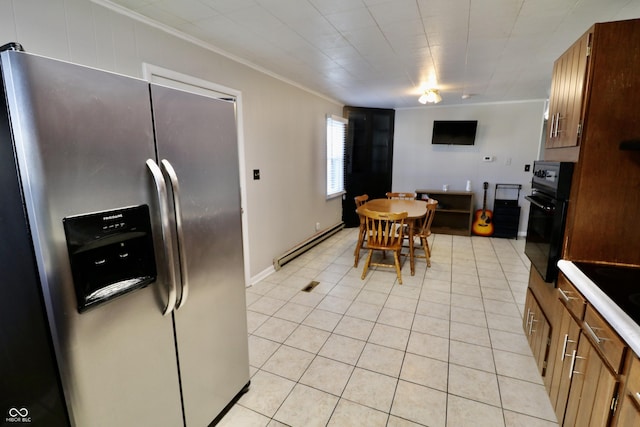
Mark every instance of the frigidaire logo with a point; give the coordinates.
(110, 217)
(18, 415)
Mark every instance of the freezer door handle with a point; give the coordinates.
(175, 191)
(161, 189)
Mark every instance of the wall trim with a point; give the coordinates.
(163, 27)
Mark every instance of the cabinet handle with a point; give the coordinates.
(574, 356)
(636, 398)
(551, 126)
(573, 363)
(564, 347)
(593, 334)
(565, 295)
(556, 132)
(531, 330)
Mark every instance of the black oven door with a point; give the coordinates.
(544, 234)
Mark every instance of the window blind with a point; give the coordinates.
(336, 140)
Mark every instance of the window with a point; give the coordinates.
(336, 136)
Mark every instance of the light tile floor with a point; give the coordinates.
(446, 348)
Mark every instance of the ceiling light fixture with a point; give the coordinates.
(431, 96)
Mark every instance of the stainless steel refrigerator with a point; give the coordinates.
(122, 209)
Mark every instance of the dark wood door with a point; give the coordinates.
(369, 157)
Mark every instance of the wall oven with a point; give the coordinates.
(549, 199)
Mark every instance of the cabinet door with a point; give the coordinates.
(567, 94)
(556, 100)
(592, 389)
(537, 329)
(629, 405)
(541, 330)
(629, 415)
(530, 305)
(567, 343)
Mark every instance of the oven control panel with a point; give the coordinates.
(552, 178)
(549, 175)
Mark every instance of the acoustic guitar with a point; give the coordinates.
(483, 224)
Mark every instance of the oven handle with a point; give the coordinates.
(547, 208)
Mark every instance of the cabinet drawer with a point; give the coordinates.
(604, 338)
(570, 296)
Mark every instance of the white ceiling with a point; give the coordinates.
(381, 53)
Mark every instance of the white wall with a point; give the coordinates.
(510, 132)
(283, 124)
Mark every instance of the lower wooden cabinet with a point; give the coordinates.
(567, 336)
(629, 404)
(629, 411)
(593, 388)
(583, 387)
(538, 331)
(591, 377)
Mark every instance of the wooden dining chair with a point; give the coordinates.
(384, 232)
(423, 231)
(401, 196)
(360, 200)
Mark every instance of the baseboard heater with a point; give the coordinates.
(306, 245)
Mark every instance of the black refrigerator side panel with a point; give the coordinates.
(30, 388)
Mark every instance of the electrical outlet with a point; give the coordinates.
(487, 159)
(256, 174)
(527, 168)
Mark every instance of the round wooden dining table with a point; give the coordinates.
(415, 210)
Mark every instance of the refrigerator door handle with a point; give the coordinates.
(161, 189)
(175, 187)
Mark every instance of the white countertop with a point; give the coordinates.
(624, 325)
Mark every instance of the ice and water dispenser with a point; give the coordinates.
(111, 253)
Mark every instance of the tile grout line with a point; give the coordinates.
(389, 292)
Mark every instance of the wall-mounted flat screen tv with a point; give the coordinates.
(454, 132)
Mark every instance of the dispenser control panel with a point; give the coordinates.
(111, 253)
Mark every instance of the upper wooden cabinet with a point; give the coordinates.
(567, 89)
(595, 90)
(595, 105)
